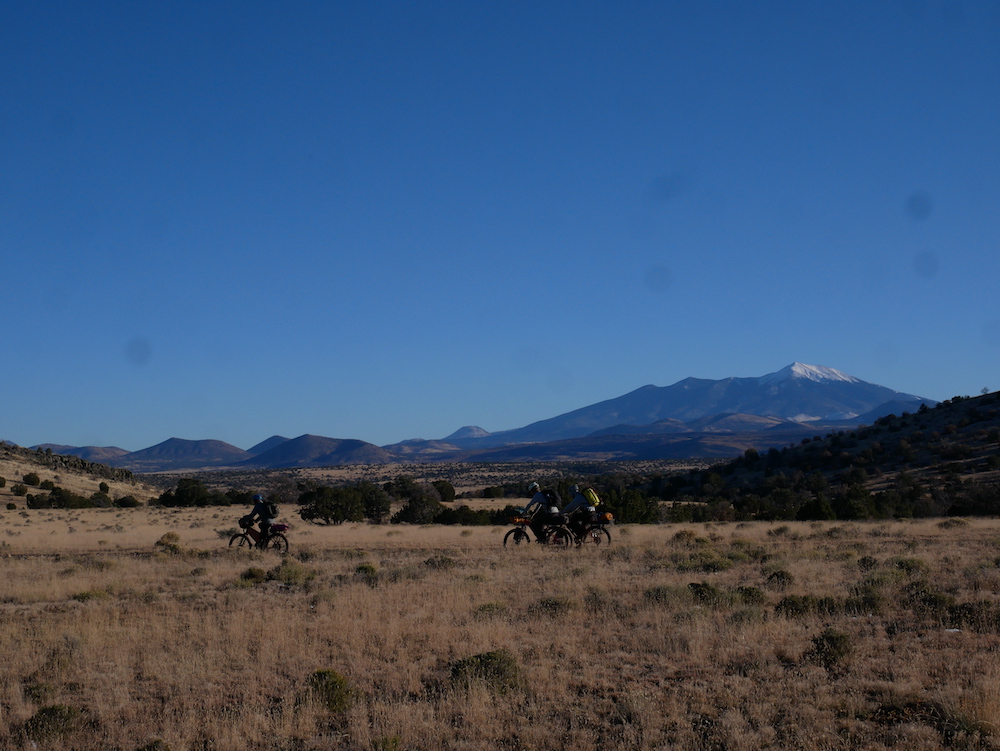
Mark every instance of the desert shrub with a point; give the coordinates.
(551, 606)
(11, 506)
(667, 595)
(32, 479)
(489, 610)
(127, 501)
(90, 594)
(831, 649)
(52, 721)
(705, 592)
(866, 598)
(19, 489)
(926, 601)
(254, 575)
(498, 669)
(47, 485)
(156, 745)
(291, 573)
(982, 617)
(910, 565)
(751, 595)
(706, 560)
(367, 573)
(440, 562)
(867, 563)
(331, 690)
(169, 543)
(953, 523)
(685, 537)
(796, 606)
(780, 580)
(3, 482)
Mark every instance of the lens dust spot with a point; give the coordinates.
(919, 205)
(657, 279)
(926, 265)
(138, 351)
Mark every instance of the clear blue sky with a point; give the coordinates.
(385, 220)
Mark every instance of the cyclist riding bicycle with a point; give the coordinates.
(266, 512)
(545, 504)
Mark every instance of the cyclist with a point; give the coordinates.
(578, 510)
(266, 512)
(546, 504)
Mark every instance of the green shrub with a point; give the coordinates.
(867, 563)
(441, 562)
(19, 489)
(367, 573)
(751, 595)
(831, 649)
(291, 573)
(11, 506)
(254, 575)
(331, 690)
(32, 479)
(90, 594)
(705, 592)
(156, 745)
(551, 606)
(497, 669)
(667, 595)
(780, 580)
(489, 610)
(52, 721)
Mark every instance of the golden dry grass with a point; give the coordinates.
(113, 641)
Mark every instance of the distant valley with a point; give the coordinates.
(692, 418)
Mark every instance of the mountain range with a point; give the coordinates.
(694, 417)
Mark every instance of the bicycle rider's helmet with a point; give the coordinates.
(533, 488)
(575, 489)
(258, 497)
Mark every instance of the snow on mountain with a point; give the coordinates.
(817, 373)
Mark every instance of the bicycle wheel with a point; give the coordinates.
(278, 543)
(597, 535)
(241, 540)
(515, 537)
(559, 537)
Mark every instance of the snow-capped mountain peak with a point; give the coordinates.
(818, 373)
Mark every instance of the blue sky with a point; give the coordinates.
(387, 220)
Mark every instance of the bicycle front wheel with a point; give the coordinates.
(278, 543)
(597, 535)
(515, 537)
(241, 540)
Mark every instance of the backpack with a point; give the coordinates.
(553, 496)
(270, 510)
(591, 497)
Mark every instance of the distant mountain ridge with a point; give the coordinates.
(694, 417)
(799, 393)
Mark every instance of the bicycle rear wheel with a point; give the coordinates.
(559, 537)
(278, 543)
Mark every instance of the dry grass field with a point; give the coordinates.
(139, 629)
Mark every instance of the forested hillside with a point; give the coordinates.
(937, 461)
